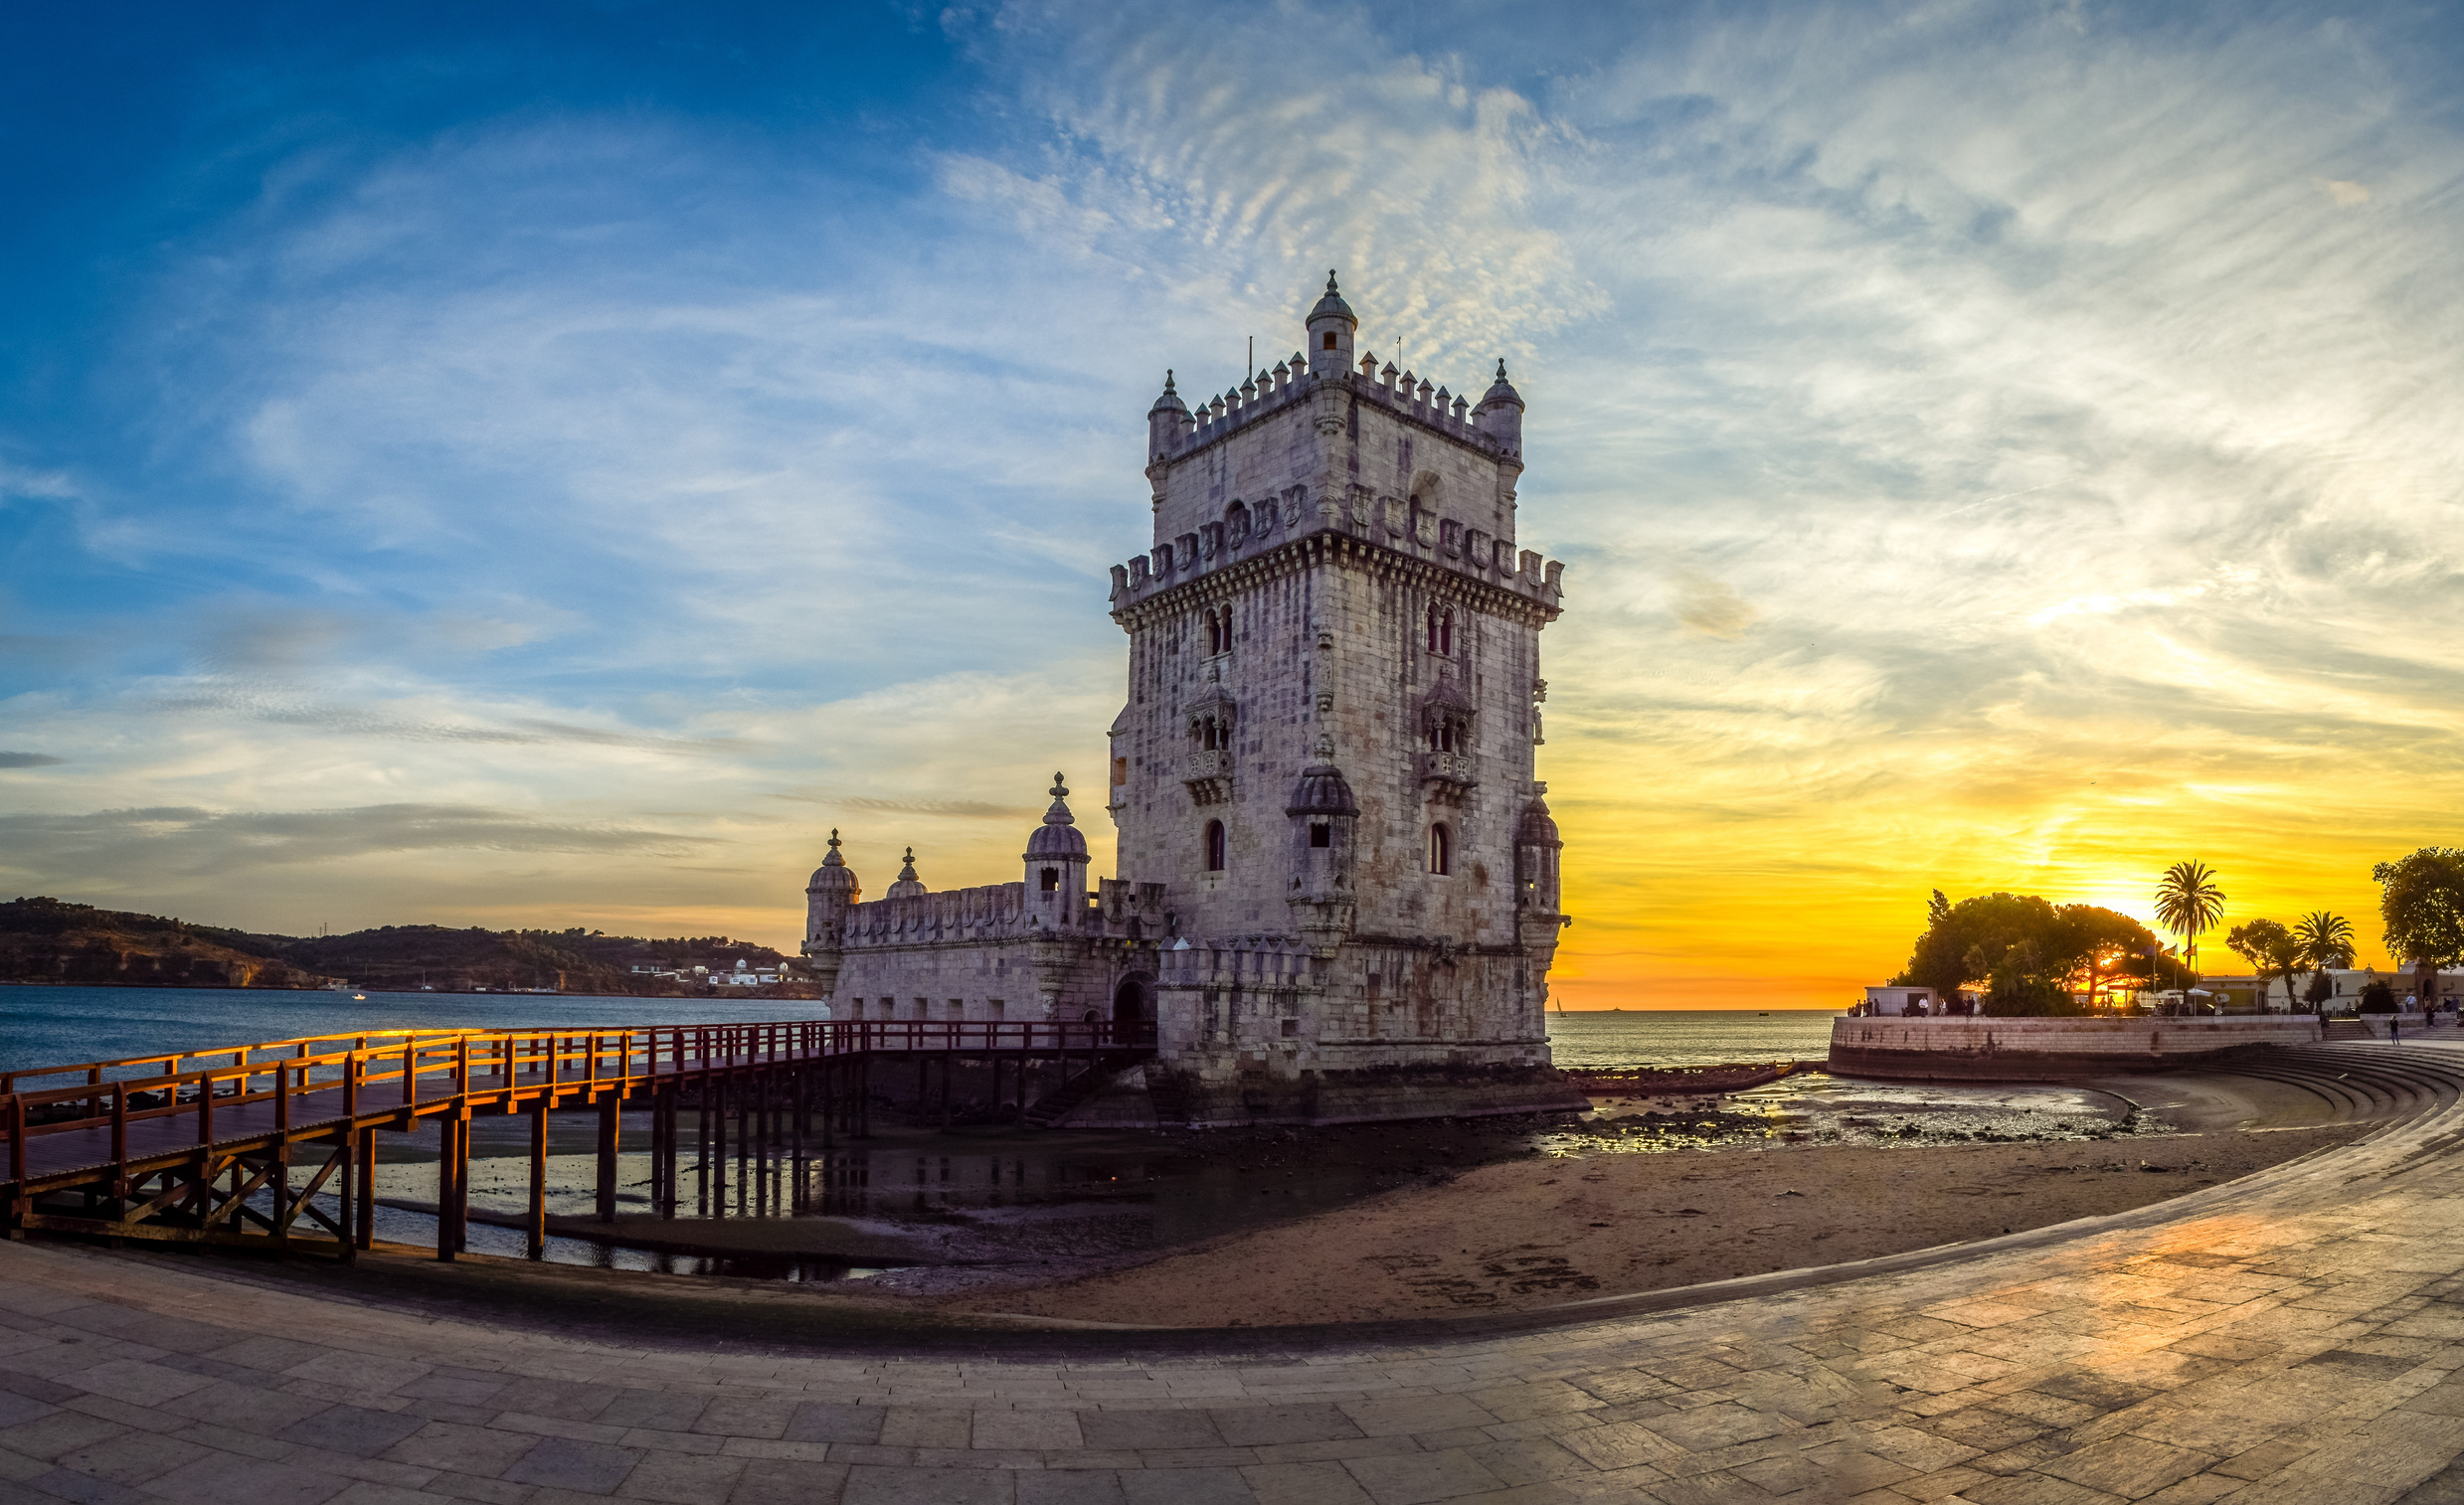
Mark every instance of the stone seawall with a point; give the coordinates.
(2046, 1050)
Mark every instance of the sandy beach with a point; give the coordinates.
(1537, 1232)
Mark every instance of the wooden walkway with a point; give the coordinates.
(202, 1147)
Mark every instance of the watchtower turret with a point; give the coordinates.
(1331, 325)
(1056, 866)
(832, 892)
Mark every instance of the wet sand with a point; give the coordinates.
(1537, 1232)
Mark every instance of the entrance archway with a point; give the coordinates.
(1132, 1012)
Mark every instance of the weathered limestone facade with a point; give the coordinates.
(1338, 893)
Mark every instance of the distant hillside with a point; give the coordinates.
(46, 941)
(50, 940)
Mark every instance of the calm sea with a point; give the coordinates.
(47, 1026)
(1689, 1037)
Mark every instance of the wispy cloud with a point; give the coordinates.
(1997, 445)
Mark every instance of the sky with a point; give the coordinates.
(549, 465)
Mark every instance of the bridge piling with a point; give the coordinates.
(611, 1105)
(536, 1222)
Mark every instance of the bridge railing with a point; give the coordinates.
(323, 1076)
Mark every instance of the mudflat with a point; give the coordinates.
(1538, 1232)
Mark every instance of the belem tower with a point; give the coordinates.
(1338, 895)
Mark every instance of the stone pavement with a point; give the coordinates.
(2292, 1337)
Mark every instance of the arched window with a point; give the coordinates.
(1321, 833)
(1214, 846)
(1440, 849)
(1052, 879)
(1442, 632)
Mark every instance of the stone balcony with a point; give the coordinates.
(1451, 775)
(1208, 776)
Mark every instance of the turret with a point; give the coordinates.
(1501, 415)
(832, 892)
(1056, 866)
(1166, 422)
(1323, 818)
(1331, 329)
(909, 886)
(1535, 859)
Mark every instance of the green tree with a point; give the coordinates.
(2272, 951)
(2189, 903)
(2377, 998)
(2024, 953)
(2421, 901)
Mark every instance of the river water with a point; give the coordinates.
(1074, 1194)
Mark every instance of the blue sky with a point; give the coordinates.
(549, 465)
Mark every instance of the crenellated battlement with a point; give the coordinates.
(1002, 912)
(1387, 522)
(1179, 431)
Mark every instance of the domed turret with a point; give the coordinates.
(1056, 866)
(1501, 413)
(833, 877)
(1321, 791)
(1058, 835)
(827, 899)
(1166, 422)
(909, 886)
(1331, 326)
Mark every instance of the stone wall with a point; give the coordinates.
(2041, 1050)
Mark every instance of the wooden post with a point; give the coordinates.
(536, 1224)
(348, 1192)
(665, 1191)
(609, 1106)
(701, 1147)
(365, 1233)
(280, 1181)
(718, 1147)
(19, 1203)
(452, 1184)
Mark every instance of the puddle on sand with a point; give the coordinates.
(1816, 1107)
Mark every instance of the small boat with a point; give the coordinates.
(359, 998)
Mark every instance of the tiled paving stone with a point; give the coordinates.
(2294, 1337)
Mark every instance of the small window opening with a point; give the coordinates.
(1292, 1028)
(1121, 771)
(1321, 833)
(1329, 341)
(1052, 879)
(1441, 850)
(1214, 846)
(1442, 632)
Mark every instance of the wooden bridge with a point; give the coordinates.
(208, 1146)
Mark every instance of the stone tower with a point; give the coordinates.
(1326, 760)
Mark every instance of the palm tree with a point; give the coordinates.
(2188, 901)
(2326, 940)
